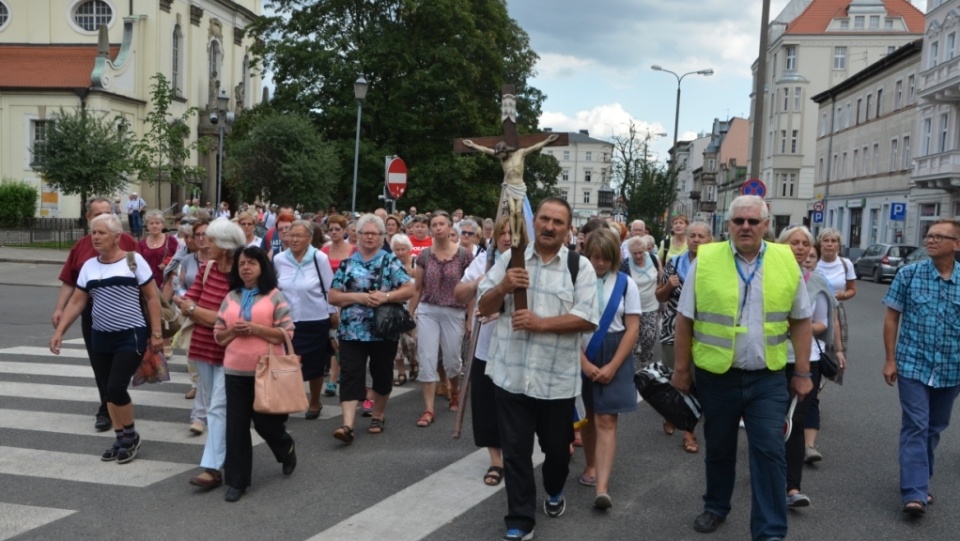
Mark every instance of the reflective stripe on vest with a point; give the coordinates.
(718, 299)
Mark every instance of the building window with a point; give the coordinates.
(783, 141)
(791, 58)
(588, 156)
(879, 102)
(846, 117)
(565, 195)
(794, 136)
(866, 112)
(874, 22)
(787, 184)
(4, 15)
(91, 14)
(566, 155)
(890, 49)
(864, 164)
(588, 175)
(858, 22)
(944, 122)
(786, 100)
(39, 137)
(213, 60)
(839, 58)
(845, 24)
(906, 152)
(897, 95)
(951, 44)
(565, 175)
(175, 83)
(843, 167)
(838, 120)
(836, 166)
(823, 124)
(796, 98)
(888, 24)
(856, 163)
(911, 88)
(586, 197)
(894, 162)
(934, 53)
(859, 103)
(820, 170)
(876, 158)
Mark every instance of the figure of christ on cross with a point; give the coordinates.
(512, 162)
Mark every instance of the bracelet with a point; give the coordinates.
(157, 335)
(799, 375)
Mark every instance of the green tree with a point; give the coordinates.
(85, 153)
(18, 200)
(647, 187)
(435, 69)
(161, 152)
(281, 158)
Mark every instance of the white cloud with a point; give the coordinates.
(603, 121)
(560, 65)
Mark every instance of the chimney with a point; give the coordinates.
(584, 132)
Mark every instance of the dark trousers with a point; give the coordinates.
(520, 418)
(353, 367)
(86, 327)
(762, 399)
(115, 370)
(238, 465)
(483, 406)
(796, 445)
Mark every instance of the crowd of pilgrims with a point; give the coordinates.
(245, 280)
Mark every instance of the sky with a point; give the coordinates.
(595, 60)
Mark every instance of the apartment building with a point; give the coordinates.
(585, 174)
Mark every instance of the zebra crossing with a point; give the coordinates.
(51, 399)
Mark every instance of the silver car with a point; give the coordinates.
(881, 261)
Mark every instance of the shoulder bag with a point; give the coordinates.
(169, 315)
(278, 383)
(829, 365)
(390, 319)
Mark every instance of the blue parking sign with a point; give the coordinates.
(898, 212)
(818, 217)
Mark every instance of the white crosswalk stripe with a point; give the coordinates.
(86, 468)
(16, 519)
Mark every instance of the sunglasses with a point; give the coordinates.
(740, 221)
(467, 233)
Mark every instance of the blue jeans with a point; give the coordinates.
(214, 390)
(136, 224)
(926, 413)
(761, 397)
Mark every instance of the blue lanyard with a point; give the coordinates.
(746, 281)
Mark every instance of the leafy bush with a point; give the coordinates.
(18, 200)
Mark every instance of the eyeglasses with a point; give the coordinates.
(740, 221)
(369, 233)
(246, 224)
(467, 233)
(938, 238)
(199, 235)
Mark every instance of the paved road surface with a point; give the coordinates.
(408, 483)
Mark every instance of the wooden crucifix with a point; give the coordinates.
(511, 149)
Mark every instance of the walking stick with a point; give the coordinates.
(465, 380)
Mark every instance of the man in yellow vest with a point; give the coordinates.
(747, 300)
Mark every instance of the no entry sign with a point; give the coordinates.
(396, 177)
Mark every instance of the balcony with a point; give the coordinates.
(941, 84)
(695, 195)
(941, 171)
(708, 206)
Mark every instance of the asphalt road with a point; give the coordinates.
(412, 483)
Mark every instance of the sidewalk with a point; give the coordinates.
(34, 256)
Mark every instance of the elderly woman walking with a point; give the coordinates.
(366, 280)
(407, 347)
(201, 305)
(640, 265)
(305, 278)
(120, 328)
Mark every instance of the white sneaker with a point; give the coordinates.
(197, 428)
(798, 500)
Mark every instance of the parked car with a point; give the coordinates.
(919, 255)
(881, 261)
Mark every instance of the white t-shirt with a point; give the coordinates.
(115, 292)
(835, 274)
(477, 268)
(301, 284)
(186, 208)
(629, 304)
(255, 243)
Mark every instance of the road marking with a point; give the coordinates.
(76, 341)
(420, 509)
(69, 353)
(70, 423)
(74, 393)
(88, 468)
(67, 370)
(17, 519)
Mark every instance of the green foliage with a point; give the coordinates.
(647, 188)
(161, 153)
(283, 159)
(435, 69)
(85, 153)
(18, 200)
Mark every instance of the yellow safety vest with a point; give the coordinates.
(715, 328)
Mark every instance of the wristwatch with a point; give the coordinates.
(156, 335)
(191, 309)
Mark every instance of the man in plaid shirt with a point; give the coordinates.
(923, 304)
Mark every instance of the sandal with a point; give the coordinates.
(494, 476)
(344, 434)
(400, 379)
(690, 446)
(454, 401)
(668, 428)
(425, 420)
(414, 372)
(914, 508)
(376, 426)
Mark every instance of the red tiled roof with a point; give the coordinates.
(816, 18)
(48, 66)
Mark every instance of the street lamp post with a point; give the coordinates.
(676, 114)
(227, 117)
(360, 93)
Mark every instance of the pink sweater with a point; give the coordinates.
(242, 354)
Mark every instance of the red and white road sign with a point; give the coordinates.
(396, 177)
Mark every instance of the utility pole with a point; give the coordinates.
(758, 94)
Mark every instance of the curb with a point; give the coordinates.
(31, 261)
